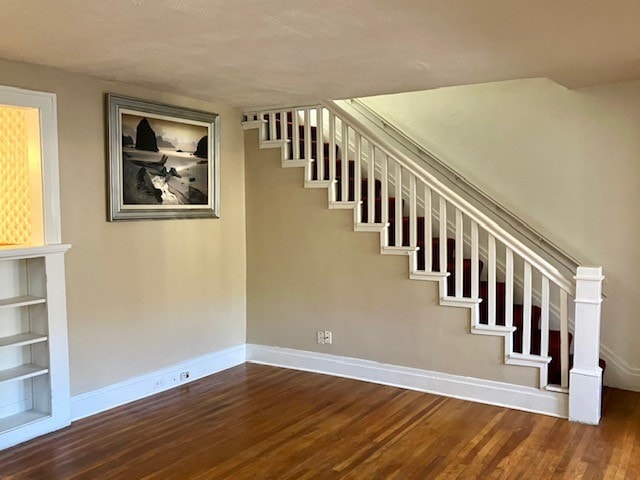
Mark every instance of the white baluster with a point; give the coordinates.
(443, 235)
(564, 339)
(544, 328)
(296, 136)
(398, 193)
(332, 155)
(428, 230)
(413, 210)
(320, 143)
(307, 143)
(475, 261)
(544, 317)
(384, 195)
(508, 288)
(491, 280)
(284, 133)
(357, 175)
(526, 310)
(307, 138)
(264, 133)
(273, 132)
(345, 162)
(371, 184)
(459, 253)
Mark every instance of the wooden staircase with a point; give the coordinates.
(511, 291)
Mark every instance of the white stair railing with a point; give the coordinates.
(449, 240)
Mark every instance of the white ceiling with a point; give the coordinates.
(279, 52)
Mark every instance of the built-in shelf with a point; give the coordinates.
(34, 324)
(22, 372)
(21, 419)
(22, 339)
(22, 301)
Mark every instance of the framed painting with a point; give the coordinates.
(164, 161)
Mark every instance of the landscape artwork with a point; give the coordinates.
(165, 162)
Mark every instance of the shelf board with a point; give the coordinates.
(22, 301)
(22, 372)
(21, 419)
(19, 252)
(22, 339)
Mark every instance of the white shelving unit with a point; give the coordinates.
(34, 359)
(34, 379)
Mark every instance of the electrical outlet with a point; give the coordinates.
(158, 383)
(184, 376)
(324, 336)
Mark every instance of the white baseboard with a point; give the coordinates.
(96, 401)
(466, 388)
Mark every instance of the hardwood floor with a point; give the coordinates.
(258, 422)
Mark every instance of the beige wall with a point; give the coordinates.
(308, 270)
(142, 295)
(567, 162)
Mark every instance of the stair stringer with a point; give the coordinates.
(473, 304)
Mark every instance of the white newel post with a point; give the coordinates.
(585, 378)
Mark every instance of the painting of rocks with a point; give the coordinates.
(164, 162)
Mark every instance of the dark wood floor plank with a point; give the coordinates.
(259, 422)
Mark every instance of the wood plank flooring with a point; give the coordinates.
(259, 422)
